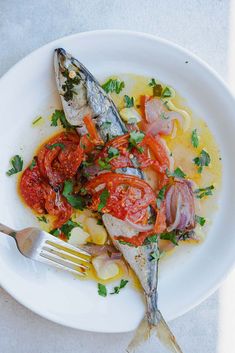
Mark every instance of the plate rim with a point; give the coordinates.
(154, 38)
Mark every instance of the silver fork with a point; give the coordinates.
(44, 247)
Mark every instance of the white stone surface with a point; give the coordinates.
(202, 26)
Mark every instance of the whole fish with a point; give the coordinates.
(82, 95)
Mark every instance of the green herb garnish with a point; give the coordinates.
(152, 82)
(104, 164)
(202, 161)
(202, 192)
(17, 165)
(160, 196)
(135, 138)
(178, 173)
(68, 227)
(54, 145)
(59, 116)
(102, 290)
(166, 92)
(69, 84)
(42, 219)
(103, 199)
(123, 242)
(122, 284)
(113, 152)
(99, 222)
(200, 220)
(55, 232)
(106, 125)
(75, 201)
(151, 239)
(171, 236)
(37, 120)
(195, 138)
(113, 85)
(129, 101)
(32, 164)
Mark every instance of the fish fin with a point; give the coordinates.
(141, 335)
(165, 335)
(162, 331)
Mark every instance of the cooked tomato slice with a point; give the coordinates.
(60, 158)
(32, 189)
(129, 196)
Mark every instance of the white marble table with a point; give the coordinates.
(207, 29)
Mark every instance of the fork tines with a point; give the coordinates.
(66, 257)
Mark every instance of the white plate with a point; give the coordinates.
(192, 273)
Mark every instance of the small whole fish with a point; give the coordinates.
(82, 95)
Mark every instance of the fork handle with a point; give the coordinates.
(7, 230)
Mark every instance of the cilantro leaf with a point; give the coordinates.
(75, 201)
(178, 173)
(122, 284)
(99, 222)
(42, 219)
(113, 85)
(55, 232)
(106, 125)
(171, 236)
(195, 138)
(166, 92)
(202, 161)
(32, 164)
(59, 116)
(104, 164)
(129, 101)
(54, 145)
(102, 290)
(151, 239)
(103, 199)
(68, 227)
(160, 196)
(202, 192)
(200, 220)
(113, 152)
(135, 138)
(152, 82)
(17, 165)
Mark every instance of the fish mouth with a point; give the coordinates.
(60, 57)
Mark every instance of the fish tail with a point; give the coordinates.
(160, 329)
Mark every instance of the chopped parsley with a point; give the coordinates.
(55, 232)
(178, 173)
(160, 196)
(135, 138)
(123, 283)
(104, 164)
(202, 161)
(99, 222)
(75, 201)
(37, 120)
(200, 220)
(106, 125)
(17, 165)
(202, 192)
(54, 145)
(129, 101)
(171, 236)
(59, 116)
(113, 152)
(152, 82)
(154, 256)
(68, 86)
(195, 138)
(151, 239)
(166, 92)
(65, 229)
(32, 164)
(42, 219)
(113, 85)
(102, 290)
(103, 199)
